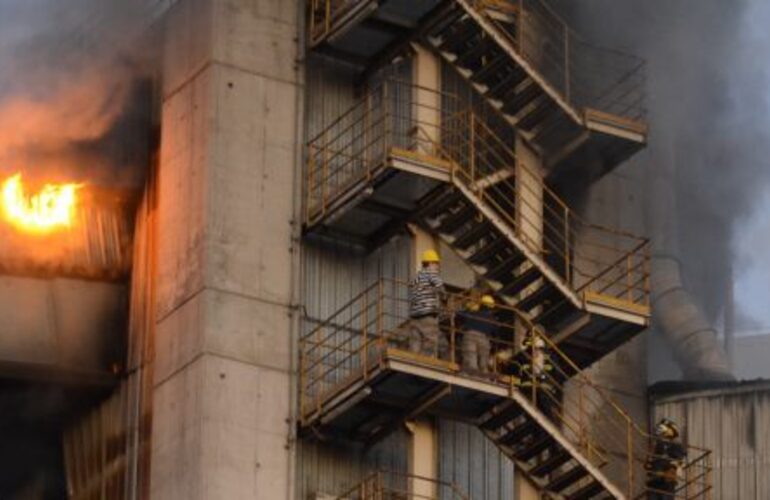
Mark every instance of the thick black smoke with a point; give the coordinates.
(74, 97)
(708, 86)
(75, 105)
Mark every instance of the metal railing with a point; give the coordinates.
(384, 485)
(583, 74)
(354, 343)
(323, 14)
(396, 117)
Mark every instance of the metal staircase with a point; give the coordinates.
(576, 103)
(560, 429)
(394, 158)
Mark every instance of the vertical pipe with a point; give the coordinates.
(567, 257)
(365, 346)
(387, 140)
(452, 340)
(630, 457)
(472, 158)
(324, 173)
(629, 280)
(520, 26)
(367, 134)
(380, 333)
(566, 64)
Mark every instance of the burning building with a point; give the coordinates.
(207, 279)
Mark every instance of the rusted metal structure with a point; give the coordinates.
(358, 380)
(466, 185)
(477, 174)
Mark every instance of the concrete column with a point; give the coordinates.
(222, 392)
(423, 459)
(523, 488)
(529, 199)
(426, 113)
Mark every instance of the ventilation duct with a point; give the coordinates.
(676, 311)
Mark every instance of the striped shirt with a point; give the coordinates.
(424, 293)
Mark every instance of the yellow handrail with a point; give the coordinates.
(356, 339)
(589, 257)
(605, 79)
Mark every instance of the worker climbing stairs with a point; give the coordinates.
(476, 170)
(360, 380)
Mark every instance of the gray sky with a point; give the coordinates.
(752, 247)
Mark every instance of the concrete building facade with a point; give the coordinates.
(226, 306)
(237, 281)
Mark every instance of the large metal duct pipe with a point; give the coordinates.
(676, 311)
(693, 339)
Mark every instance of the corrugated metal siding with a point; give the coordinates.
(107, 453)
(332, 274)
(471, 461)
(334, 468)
(335, 274)
(735, 424)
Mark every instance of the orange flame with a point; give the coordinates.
(53, 207)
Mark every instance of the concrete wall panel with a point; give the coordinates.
(226, 183)
(262, 37)
(228, 325)
(67, 324)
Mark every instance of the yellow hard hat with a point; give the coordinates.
(487, 300)
(430, 256)
(666, 428)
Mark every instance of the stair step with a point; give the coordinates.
(447, 19)
(505, 268)
(490, 68)
(436, 205)
(472, 235)
(518, 284)
(518, 433)
(551, 464)
(558, 316)
(536, 448)
(567, 479)
(473, 53)
(539, 297)
(524, 97)
(454, 221)
(458, 35)
(509, 413)
(538, 115)
(489, 250)
(558, 123)
(507, 84)
(588, 491)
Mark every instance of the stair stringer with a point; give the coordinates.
(506, 230)
(503, 43)
(559, 437)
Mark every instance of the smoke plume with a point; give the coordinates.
(76, 106)
(72, 73)
(708, 111)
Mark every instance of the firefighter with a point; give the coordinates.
(535, 371)
(478, 325)
(664, 466)
(426, 291)
(536, 350)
